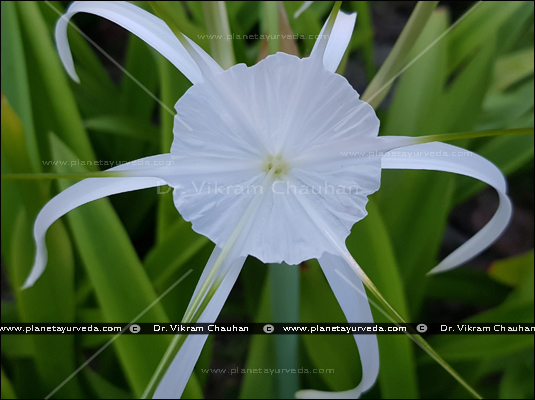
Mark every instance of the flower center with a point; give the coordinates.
(276, 163)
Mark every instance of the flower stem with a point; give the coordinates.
(284, 286)
(216, 20)
(271, 22)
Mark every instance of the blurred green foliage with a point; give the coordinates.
(110, 259)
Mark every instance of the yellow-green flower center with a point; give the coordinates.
(276, 163)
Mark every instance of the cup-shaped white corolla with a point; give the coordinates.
(257, 165)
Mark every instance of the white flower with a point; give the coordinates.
(257, 167)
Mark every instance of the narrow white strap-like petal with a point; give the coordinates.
(338, 40)
(141, 23)
(351, 296)
(303, 7)
(84, 192)
(445, 157)
(175, 379)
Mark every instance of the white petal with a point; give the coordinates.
(337, 41)
(285, 106)
(354, 303)
(445, 157)
(175, 379)
(141, 23)
(303, 7)
(86, 191)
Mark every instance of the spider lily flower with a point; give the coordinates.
(272, 137)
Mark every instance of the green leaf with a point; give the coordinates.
(370, 244)
(176, 250)
(396, 60)
(196, 9)
(252, 276)
(173, 13)
(7, 389)
(36, 304)
(11, 206)
(88, 63)
(59, 103)
(420, 86)
(364, 35)
(513, 33)
(14, 346)
(9, 312)
(339, 352)
(459, 347)
(243, 16)
(121, 285)
(102, 388)
(466, 286)
(140, 64)
(512, 271)
(503, 109)
(125, 126)
(89, 316)
(512, 68)
(93, 98)
(15, 84)
(416, 203)
(518, 308)
(517, 381)
(18, 161)
(97, 94)
(461, 103)
(51, 299)
(482, 21)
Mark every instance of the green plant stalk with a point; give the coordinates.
(378, 87)
(284, 286)
(272, 25)
(132, 173)
(217, 25)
